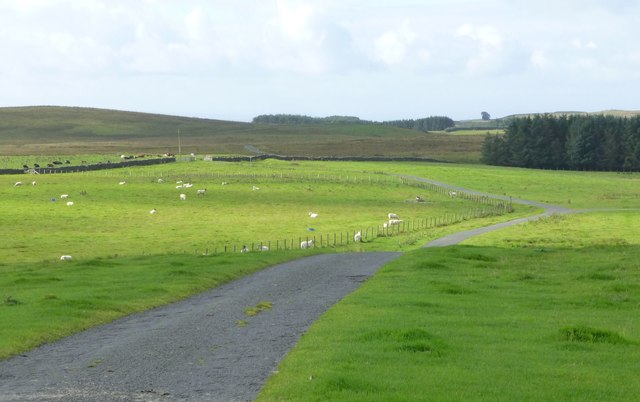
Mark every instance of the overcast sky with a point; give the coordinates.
(375, 59)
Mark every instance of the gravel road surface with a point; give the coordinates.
(197, 350)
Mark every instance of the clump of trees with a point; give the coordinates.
(432, 123)
(567, 142)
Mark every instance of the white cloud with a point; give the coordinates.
(393, 47)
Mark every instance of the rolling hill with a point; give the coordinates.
(53, 130)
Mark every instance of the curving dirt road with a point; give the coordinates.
(204, 348)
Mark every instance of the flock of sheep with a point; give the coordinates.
(393, 219)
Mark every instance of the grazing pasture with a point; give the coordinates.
(124, 258)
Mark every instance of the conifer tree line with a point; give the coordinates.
(567, 142)
(432, 123)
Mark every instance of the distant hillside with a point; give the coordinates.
(52, 130)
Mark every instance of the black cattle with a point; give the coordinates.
(26, 167)
(57, 163)
(35, 165)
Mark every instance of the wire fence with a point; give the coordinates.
(366, 234)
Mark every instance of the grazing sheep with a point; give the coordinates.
(244, 249)
(224, 183)
(18, 183)
(69, 203)
(187, 185)
(452, 194)
(179, 186)
(33, 183)
(263, 248)
(306, 244)
(160, 181)
(64, 195)
(201, 191)
(122, 182)
(393, 216)
(179, 182)
(313, 215)
(255, 188)
(153, 211)
(183, 197)
(66, 258)
(419, 199)
(357, 237)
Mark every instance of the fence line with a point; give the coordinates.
(370, 233)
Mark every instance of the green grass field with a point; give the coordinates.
(109, 231)
(477, 323)
(541, 311)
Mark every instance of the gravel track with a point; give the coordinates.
(198, 349)
(192, 350)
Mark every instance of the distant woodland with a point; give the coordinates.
(567, 142)
(432, 123)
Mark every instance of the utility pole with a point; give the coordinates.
(179, 145)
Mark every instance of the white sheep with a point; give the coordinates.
(187, 185)
(153, 211)
(66, 258)
(357, 237)
(179, 182)
(122, 182)
(224, 183)
(64, 195)
(313, 215)
(394, 222)
(452, 194)
(393, 216)
(306, 244)
(255, 188)
(263, 248)
(18, 183)
(179, 186)
(33, 183)
(160, 181)
(201, 191)
(183, 197)
(70, 203)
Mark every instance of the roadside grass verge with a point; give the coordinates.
(477, 323)
(45, 301)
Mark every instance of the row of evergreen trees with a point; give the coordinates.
(433, 123)
(567, 142)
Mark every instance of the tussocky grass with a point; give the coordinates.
(477, 323)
